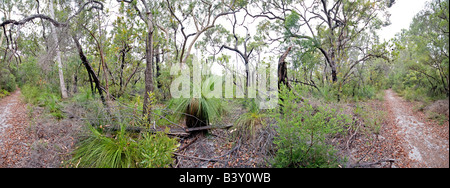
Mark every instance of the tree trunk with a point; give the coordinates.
(158, 67)
(92, 76)
(334, 73)
(282, 69)
(1, 41)
(58, 56)
(149, 69)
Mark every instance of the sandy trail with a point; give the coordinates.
(14, 137)
(5, 111)
(424, 147)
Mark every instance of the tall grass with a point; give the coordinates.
(248, 124)
(124, 151)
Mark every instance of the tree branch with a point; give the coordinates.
(31, 18)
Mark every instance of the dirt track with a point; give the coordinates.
(14, 138)
(425, 148)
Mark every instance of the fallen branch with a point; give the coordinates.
(208, 128)
(173, 132)
(198, 158)
(364, 165)
(353, 135)
(187, 145)
(148, 130)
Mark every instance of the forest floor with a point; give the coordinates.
(221, 148)
(406, 138)
(31, 138)
(14, 138)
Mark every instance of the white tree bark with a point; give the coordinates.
(58, 54)
(1, 38)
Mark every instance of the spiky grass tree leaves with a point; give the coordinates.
(123, 151)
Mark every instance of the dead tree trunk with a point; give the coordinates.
(90, 71)
(282, 70)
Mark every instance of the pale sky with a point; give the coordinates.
(402, 14)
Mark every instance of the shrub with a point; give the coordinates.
(199, 112)
(3, 93)
(302, 134)
(373, 119)
(124, 151)
(31, 93)
(29, 72)
(249, 123)
(41, 97)
(415, 94)
(7, 80)
(157, 150)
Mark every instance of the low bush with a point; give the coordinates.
(373, 119)
(37, 96)
(303, 133)
(31, 93)
(7, 80)
(248, 124)
(3, 93)
(415, 94)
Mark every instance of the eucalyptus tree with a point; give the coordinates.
(424, 50)
(145, 10)
(123, 44)
(194, 18)
(234, 34)
(332, 28)
(56, 47)
(35, 10)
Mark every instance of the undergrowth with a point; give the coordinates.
(43, 98)
(303, 133)
(122, 150)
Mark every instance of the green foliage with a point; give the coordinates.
(51, 103)
(7, 80)
(3, 93)
(422, 66)
(199, 111)
(440, 118)
(123, 151)
(29, 72)
(31, 93)
(302, 134)
(83, 96)
(373, 119)
(248, 124)
(37, 96)
(157, 150)
(414, 94)
(291, 20)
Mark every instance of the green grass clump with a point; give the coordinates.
(124, 151)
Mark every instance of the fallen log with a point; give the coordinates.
(208, 128)
(173, 132)
(366, 165)
(199, 158)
